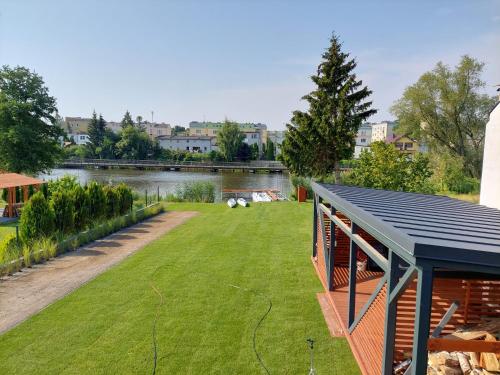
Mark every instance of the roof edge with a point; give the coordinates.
(394, 239)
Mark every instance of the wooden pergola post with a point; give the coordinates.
(25, 193)
(11, 200)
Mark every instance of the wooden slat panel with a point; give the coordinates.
(478, 299)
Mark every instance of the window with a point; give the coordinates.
(205, 148)
(399, 146)
(187, 148)
(363, 140)
(187, 140)
(408, 146)
(198, 131)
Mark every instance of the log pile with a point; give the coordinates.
(468, 362)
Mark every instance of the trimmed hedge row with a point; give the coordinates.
(14, 256)
(71, 208)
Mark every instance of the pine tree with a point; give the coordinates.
(317, 140)
(270, 154)
(97, 132)
(94, 134)
(127, 120)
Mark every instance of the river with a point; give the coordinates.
(167, 182)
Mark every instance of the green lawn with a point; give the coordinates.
(6, 229)
(205, 326)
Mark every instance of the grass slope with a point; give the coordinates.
(205, 326)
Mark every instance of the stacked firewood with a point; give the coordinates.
(458, 363)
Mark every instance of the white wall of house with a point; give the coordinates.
(187, 143)
(364, 135)
(80, 139)
(490, 179)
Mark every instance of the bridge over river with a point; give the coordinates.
(165, 165)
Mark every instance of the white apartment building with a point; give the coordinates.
(254, 133)
(383, 131)
(199, 144)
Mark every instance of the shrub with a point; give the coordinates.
(46, 247)
(64, 211)
(383, 167)
(112, 201)
(126, 198)
(97, 200)
(197, 191)
(64, 184)
(37, 219)
(9, 255)
(81, 200)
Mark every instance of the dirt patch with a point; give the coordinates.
(26, 293)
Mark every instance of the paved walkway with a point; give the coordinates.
(26, 293)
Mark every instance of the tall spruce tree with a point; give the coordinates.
(317, 140)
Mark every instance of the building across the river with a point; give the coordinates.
(198, 144)
(254, 133)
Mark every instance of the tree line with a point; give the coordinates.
(132, 142)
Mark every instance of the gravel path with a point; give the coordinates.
(26, 293)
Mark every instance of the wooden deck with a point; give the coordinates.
(338, 300)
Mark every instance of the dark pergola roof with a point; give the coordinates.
(419, 225)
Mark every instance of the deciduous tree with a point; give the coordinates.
(29, 137)
(384, 167)
(446, 109)
(229, 139)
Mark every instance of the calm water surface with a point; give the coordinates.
(168, 181)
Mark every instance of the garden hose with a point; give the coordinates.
(259, 358)
(155, 346)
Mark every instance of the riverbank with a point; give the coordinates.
(204, 324)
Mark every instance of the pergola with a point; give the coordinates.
(401, 269)
(11, 181)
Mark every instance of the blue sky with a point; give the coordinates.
(244, 60)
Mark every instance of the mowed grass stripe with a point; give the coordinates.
(205, 325)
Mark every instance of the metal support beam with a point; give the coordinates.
(446, 318)
(365, 308)
(323, 238)
(391, 305)
(363, 245)
(352, 277)
(331, 253)
(315, 226)
(403, 283)
(422, 319)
